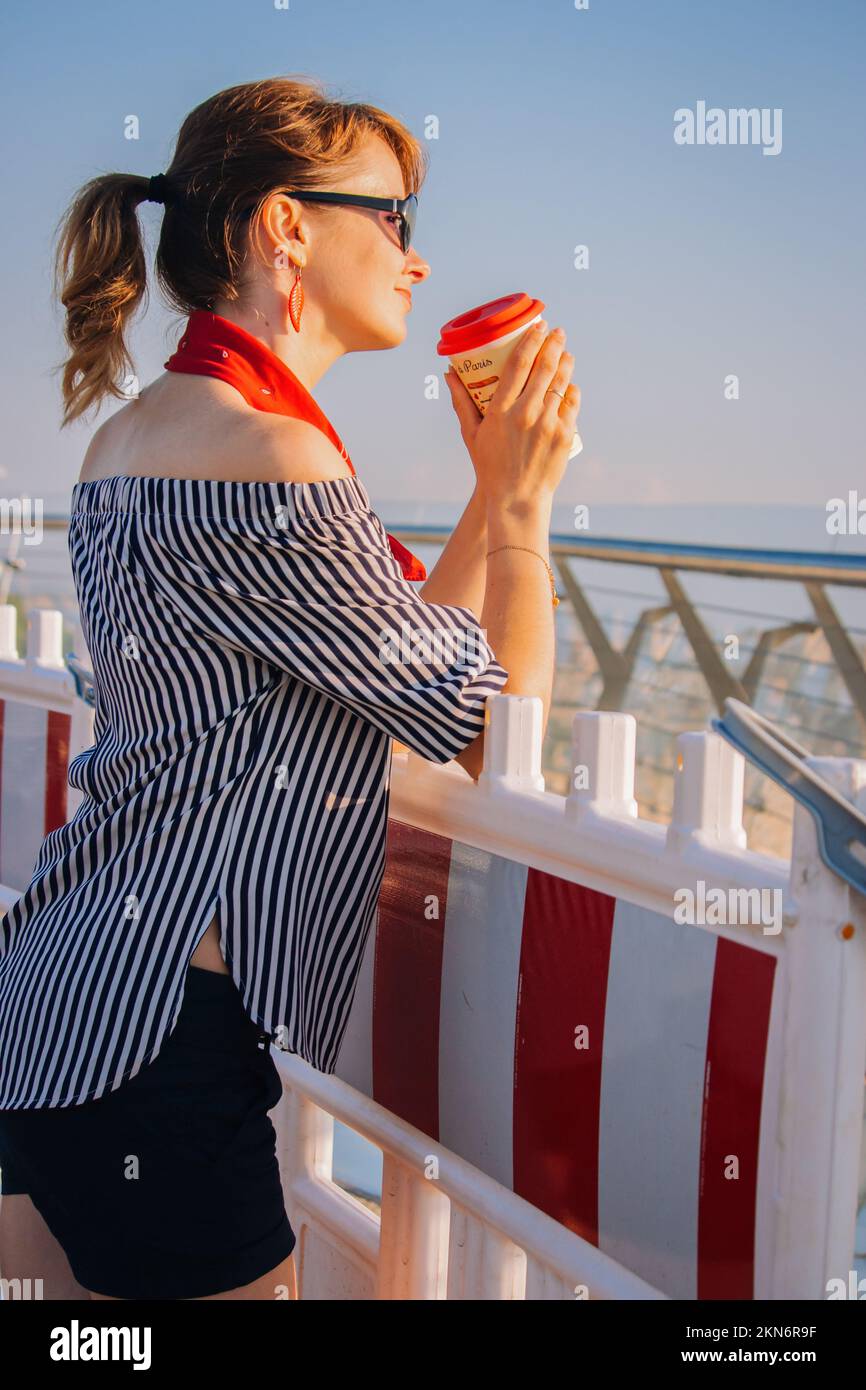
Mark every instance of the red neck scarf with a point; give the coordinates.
(212, 346)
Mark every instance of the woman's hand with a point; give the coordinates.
(519, 449)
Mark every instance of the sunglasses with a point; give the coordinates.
(406, 209)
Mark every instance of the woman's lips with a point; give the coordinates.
(407, 295)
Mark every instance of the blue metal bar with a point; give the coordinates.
(838, 823)
(85, 687)
(712, 559)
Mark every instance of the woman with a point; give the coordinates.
(214, 890)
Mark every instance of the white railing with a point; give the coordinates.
(446, 1230)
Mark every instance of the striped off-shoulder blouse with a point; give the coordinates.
(255, 648)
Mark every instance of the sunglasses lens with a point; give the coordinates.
(409, 217)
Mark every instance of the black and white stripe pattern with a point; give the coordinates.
(239, 635)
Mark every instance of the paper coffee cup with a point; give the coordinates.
(480, 342)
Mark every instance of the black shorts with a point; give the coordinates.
(169, 1186)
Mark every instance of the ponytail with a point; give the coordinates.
(100, 278)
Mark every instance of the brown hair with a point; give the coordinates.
(232, 151)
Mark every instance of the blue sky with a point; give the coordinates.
(555, 129)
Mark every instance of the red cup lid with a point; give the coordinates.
(487, 322)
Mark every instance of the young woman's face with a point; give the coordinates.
(355, 272)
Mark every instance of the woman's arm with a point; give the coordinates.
(459, 576)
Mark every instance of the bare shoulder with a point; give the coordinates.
(100, 456)
(281, 449)
(197, 427)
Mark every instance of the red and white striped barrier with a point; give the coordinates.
(42, 726)
(34, 755)
(594, 1057)
(658, 1087)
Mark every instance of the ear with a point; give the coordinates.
(280, 226)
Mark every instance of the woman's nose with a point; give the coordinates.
(416, 266)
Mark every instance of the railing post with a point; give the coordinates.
(602, 765)
(483, 1264)
(413, 1244)
(708, 794)
(512, 744)
(45, 637)
(8, 632)
(848, 660)
(719, 680)
(821, 1112)
(304, 1147)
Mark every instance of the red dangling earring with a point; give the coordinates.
(296, 302)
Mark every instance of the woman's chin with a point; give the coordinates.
(390, 333)
(387, 331)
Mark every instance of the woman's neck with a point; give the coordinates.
(308, 353)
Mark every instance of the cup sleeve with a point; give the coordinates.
(326, 603)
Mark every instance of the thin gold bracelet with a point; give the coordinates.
(553, 592)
